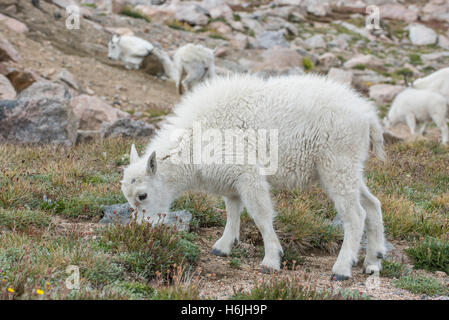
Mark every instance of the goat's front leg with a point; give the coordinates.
(231, 233)
(256, 198)
(423, 128)
(411, 122)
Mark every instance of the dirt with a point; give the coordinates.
(85, 57)
(402, 131)
(220, 281)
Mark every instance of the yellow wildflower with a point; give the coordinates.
(10, 290)
(39, 292)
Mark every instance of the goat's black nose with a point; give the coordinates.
(142, 196)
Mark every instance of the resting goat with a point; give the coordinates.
(192, 63)
(320, 131)
(130, 50)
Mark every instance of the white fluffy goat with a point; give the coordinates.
(418, 105)
(193, 63)
(437, 81)
(319, 131)
(130, 50)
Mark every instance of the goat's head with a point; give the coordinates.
(114, 48)
(143, 187)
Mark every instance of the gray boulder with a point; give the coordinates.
(121, 213)
(126, 127)
(420, 35)
(40, 114)
(270, 39)
(192, 13)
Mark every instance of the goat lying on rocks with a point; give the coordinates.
(130, 50)
(192, 63)
(320, 131)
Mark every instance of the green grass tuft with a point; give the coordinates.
(133, 13)
(147, 249)
(392, 269)
(22, 220)
(203, 209)
(279, 287)
(430, 254)
(307, 64)
(421, 285)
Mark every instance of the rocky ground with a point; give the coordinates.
(44, 66)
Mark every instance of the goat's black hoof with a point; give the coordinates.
(218, 253)
(379, 255)
(339, 277)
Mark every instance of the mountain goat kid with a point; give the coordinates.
(417, 105)
(130, 50)
(320, 131)
(193, 63)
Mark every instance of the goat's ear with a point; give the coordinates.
(115, 38)
(152, 165)
(133, 156)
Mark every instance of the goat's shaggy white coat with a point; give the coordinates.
(131, 50)
(193, 63)
(324, 135)
(419, 105)
(437, 81)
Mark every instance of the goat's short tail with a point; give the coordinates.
(377, 138)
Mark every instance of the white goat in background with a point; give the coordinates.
(130, 50)
(324, 131)
(437, 81)
(193, 63)
(419, 105)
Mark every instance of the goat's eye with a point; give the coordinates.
(142, 196)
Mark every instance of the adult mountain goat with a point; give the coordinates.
(320, 131)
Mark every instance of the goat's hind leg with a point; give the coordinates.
(342, 186)
(231, 233)
(441, 122)
(411, 122)
(194, 73)
(375, 250)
